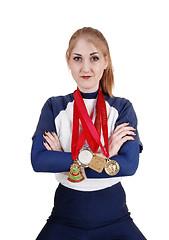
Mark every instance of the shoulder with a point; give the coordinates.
(58, 103)
(118, 103)
(124, 107)
(61, 100)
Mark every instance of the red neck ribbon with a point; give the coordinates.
(91, 132)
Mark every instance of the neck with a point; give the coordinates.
(88, 89)
(89, 95)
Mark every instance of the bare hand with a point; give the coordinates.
(121, 134)
(52, 141)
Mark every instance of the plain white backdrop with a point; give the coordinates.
(33, 41)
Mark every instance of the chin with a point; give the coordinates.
(88, 89)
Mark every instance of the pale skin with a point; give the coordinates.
(87, 65)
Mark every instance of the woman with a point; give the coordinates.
(90, 140)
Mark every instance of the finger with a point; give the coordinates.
(53, 140)
(46, 145)
(124, 133)
(124, 129)
(49, 135)
(57, 140)
(120, 126)
(51, 143)
(121, 141)
(125, 139)
(54, 135)
(121, 132)
(115, 139)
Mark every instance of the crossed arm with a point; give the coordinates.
(48, 156)
(121, 134)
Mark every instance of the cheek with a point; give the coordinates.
(75, 74)
(99, 70)
(73, 71)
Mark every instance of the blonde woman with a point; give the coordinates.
(89, 139)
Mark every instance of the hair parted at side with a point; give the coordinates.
(98, 40)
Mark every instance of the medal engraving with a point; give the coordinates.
(97, 163)
(112, 167)
(85, 157)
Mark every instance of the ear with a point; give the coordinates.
(68, 64)
(106, 62)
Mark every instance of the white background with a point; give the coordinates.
(33, 41)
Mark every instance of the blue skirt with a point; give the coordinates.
(95, 215)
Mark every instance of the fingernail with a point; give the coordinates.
(46, 131)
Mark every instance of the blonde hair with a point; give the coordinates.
(98, 40)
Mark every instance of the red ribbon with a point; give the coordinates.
(91, 132)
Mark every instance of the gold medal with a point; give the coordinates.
(111, 167)
(97, 163)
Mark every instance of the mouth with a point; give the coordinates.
(86, 77)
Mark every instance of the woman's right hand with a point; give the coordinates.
(52, 141)
(121, 134)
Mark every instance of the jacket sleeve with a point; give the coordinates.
(127, 158)
(43, 160)
(128, 155)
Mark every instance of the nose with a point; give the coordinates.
(86, 66)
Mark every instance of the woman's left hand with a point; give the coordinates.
(121, 134)
(52, 141)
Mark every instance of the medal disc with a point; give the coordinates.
(112, 167)
(85, 156)
(97, 163)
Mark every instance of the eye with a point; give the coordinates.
(77, 59)
(95, 58)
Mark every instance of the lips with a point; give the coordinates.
(85, 77)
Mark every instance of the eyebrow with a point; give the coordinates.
(81, 54)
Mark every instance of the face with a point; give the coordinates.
(87, 65)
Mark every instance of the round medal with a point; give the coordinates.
(111, 167)
(85, 156)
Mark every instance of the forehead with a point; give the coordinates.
(83, 46)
